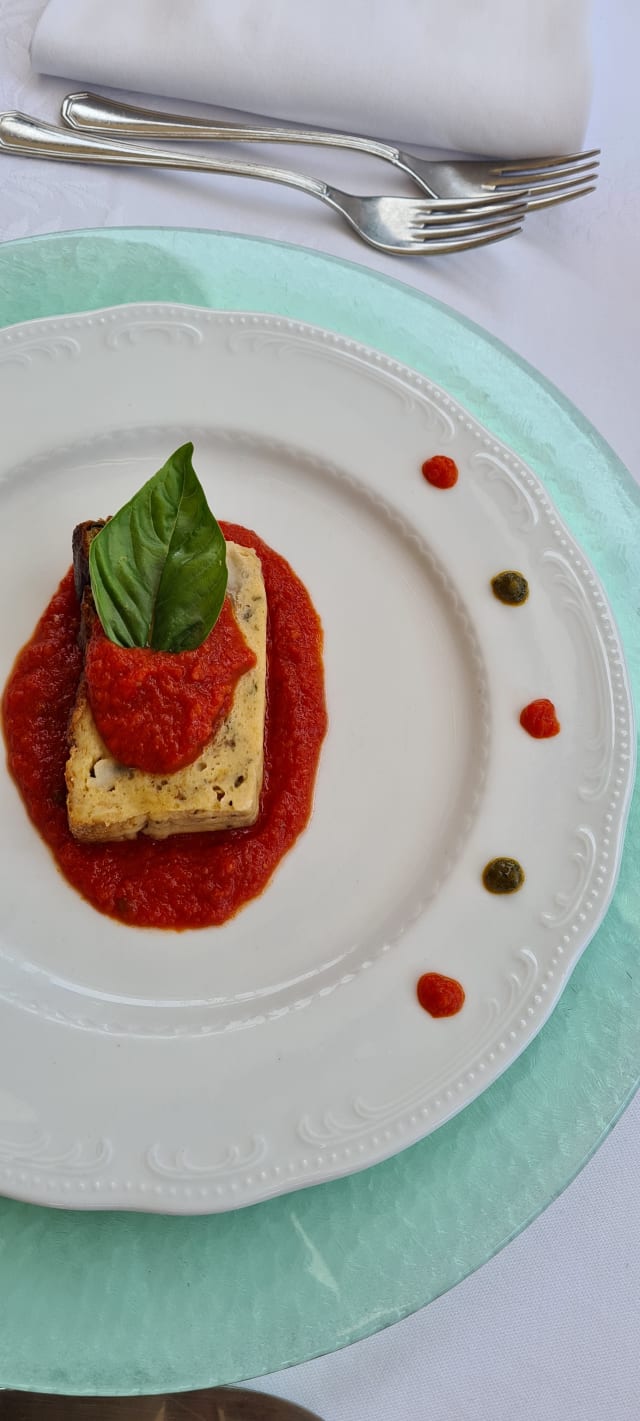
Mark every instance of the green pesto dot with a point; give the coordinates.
(510, 587)
(503, 876)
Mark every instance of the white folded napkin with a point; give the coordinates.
(485, 76)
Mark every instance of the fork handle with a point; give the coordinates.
(19, 133)
(87, 112)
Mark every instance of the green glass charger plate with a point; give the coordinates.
(100, 1303)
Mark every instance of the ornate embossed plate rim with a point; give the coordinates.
(391, 1131)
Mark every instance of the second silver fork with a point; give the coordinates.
(398, 225)
(540, 182)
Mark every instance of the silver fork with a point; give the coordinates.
(540, 182)
(392, 224)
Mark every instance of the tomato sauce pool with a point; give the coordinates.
(192, 880)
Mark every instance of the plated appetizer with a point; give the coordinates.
(164, 722)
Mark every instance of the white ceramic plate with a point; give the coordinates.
(200, 1071)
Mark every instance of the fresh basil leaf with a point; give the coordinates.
(158, 568)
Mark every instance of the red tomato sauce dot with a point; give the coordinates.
(440, 471)
(539, 719)
(440, 996)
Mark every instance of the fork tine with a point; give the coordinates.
(459, 218)
(479, 201)
(551, 201)
(432, 246)
(470, 226)
(533, 165)
(541, 189)
(552, 176)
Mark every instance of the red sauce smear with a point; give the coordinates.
(157, 711)
(539, 719)
(188, 880)
(440, 996)
(440, 471)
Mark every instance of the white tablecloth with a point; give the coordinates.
(548, 1331)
